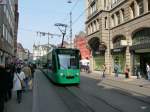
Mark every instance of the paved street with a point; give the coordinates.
(92, 95)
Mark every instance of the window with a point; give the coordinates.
(112, 21)
(148, 5)
(140, 7)
(97, 25)
(67, 61)
(122, 15)
(132, 11)
(106, 23)
(94, 26)
(118, 17)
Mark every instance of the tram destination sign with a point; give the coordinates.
(66, 51)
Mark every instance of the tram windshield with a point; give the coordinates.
(68, 61)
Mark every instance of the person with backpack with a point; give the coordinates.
(116, 69)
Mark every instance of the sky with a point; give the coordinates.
(41, 15)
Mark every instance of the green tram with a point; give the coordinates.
(63, 66)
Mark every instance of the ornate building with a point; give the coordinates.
(8, 30)
(119, 32)
(80, 43)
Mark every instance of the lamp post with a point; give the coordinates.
(70, 25)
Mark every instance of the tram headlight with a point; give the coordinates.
(61, 74)
(77, 74)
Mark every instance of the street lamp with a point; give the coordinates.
(70, 24)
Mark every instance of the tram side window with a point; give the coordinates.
(54, 63)
(73, 63)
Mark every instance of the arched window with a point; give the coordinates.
(148, 5)
(117, 41)
(132, 11)
(140, 4)
(141, 37)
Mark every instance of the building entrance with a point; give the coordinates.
(141, 59)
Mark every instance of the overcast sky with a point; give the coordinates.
(41, 15)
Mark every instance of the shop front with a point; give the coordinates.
(119, 58)
(98, 53)
(140, 50)
(119, 53)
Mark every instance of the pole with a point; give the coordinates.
(71, 29)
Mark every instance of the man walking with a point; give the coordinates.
(3, 86)
(116, 69)
(148, 71)
(104, 69)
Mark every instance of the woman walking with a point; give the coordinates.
(127, 72)
(104, 69)
(18, 83)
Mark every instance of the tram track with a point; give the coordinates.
(128, 92)
(73, 102)
(83, 93)
(77, 99)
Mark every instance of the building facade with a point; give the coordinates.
(8, 30)
(119, 32)
(40, 52)
(80, 42)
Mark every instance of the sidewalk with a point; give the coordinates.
(136, 87)
(24, 106)
(121, 78)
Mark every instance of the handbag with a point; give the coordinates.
(22, 82)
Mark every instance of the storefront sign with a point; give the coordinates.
(117, 50)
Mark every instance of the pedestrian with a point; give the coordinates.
(127, 72)
(137, 72)
(33, 69)
(103, 70)
(18, 83)
(9, 82)
(116, 69)
(3, 81)
(148, 70)
(27, 71)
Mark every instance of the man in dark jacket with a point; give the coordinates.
(3, 86)
(9, 76)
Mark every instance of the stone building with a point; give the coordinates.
(80, 42)
(119, 32)
(8, 30)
